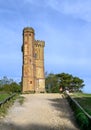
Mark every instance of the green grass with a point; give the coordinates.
(4, 96)
(84, 100)
(4, 108)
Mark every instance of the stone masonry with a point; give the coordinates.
(33, 78)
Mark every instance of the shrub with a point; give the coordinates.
(11, 88)
(82, 120)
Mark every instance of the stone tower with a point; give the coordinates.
(33, 78)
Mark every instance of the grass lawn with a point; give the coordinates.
(84, 100)
(4, 96)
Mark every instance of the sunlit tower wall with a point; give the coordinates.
(28, 81)
(39, 64)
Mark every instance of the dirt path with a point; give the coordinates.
(40, 112)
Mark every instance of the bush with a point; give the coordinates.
(82, 120)
(11, 88)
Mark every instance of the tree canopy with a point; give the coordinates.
(63, 81)
(9, 85)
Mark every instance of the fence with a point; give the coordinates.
(7, 99)
(73, 100)
(76, 105)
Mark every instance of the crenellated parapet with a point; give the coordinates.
(39, 43)
(28, 30)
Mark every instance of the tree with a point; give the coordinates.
(77, 84)
(8, 85)
(67, 81)
(63, 81)
(11, 88)
(52, 84)
(5, 80)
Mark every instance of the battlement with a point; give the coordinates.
(39, 43)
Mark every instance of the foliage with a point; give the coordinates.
(82, 120)
(67, 81)
(9, 86)
(13, 87)
(52, 84)
(5, 80)
(64, 81)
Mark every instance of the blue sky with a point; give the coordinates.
(64, 25)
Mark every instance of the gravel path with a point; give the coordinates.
(40, 112)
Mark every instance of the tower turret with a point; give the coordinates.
(28, 81)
